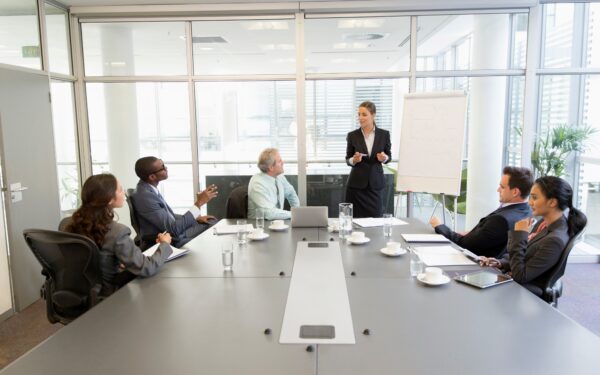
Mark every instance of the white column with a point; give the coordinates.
(121, 108)
(486, 127)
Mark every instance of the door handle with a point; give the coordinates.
(22, 188)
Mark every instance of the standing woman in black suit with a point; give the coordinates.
(368, 147)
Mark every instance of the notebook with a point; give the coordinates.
(175, 254)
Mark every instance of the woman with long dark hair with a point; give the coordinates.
(367, 149)
(95, 219)
(531, 255)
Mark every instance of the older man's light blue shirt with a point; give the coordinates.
(269, 193)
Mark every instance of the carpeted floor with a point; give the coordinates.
(23, 331)
(581, 295)
(580, 302)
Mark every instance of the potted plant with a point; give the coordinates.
(550, 152)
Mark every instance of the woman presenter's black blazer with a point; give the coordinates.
(369, 171)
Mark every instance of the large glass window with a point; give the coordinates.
(57, 32)
(465, 42)
(19, 34)
(331, 112)
(558, 39)
(244, 47)
(63, 120)
(130, 120)
(374, 44)
(134, 48)
(237, 120)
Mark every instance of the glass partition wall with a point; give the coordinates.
(208, 96)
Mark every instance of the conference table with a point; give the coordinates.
(195, 318)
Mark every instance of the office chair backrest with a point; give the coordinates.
(237, 203)
(553, 288)
(71, 264)
(133, 216)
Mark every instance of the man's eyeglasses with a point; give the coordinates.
(163, 168)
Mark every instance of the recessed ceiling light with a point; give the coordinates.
(355, 45)
(360, 23)
(370, 36)
(266, 25)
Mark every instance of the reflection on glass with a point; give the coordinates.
(331, 107)
(462, 42)
(63, 120)
(372, 44)
(244, 47)
(58, 39)
(237, 120)
(134, 48)
(558, 38)
(19, 34)
(132, 119)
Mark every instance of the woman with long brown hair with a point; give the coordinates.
(95, 219)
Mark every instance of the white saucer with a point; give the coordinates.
(391, 253)
(258, 238)
(283, 227)
(442, 280)
(363, 241)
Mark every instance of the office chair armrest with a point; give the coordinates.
(94, 297)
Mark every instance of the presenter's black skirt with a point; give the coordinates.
(366, 202)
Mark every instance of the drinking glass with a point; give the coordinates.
(242, 234)
(227, 256)
(416, 264)
(260, 218)
(346, 211)
(387, 225)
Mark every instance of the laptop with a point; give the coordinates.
(309, 217)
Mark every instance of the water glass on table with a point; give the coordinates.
(242, 234)
(345, 219)
(388, 220)
(416, 264)
(260, 218)
(227, 256)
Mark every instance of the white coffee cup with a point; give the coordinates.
(433, 273)
(357, 236)
(258, 232)
(393, 247)
(277, 223)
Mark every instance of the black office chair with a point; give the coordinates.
(147, 241)
(237, 203)
(553, 288)
(71, 265)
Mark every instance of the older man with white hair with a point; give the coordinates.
(269, 189)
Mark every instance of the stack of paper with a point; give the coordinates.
(176, 252)
(376, 222)
(231, 229)
(442, 256)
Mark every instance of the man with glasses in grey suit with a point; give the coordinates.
(154, 214)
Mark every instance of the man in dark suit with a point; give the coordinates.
(490, 235)
(368, 147)
(154, 214)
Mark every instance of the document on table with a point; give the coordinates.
(231, 229)
(442, 256)
(175, 254)
(424, 238)
(368, 222)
